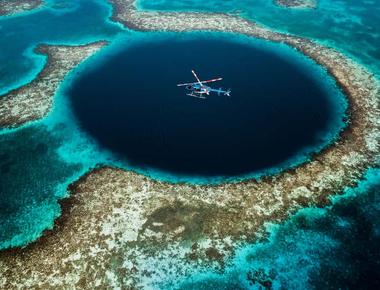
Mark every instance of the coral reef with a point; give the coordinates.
(34, 100)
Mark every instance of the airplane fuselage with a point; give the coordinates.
(198, 89)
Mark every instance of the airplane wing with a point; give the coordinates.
(198, 81)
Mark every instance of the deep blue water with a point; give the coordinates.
(131, 105)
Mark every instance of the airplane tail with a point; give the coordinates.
(225, 93)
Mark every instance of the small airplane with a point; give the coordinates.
(199, 90)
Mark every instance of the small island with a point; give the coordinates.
(14, 7)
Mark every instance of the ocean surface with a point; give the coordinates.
(336, 247)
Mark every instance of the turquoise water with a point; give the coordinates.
(314, 247)
(32, 179)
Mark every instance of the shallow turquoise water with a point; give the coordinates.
(37, 162)
(55, 24)
(32, 179)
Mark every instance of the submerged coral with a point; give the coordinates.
(297, 3)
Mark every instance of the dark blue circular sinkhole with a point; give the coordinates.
(131, 105)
